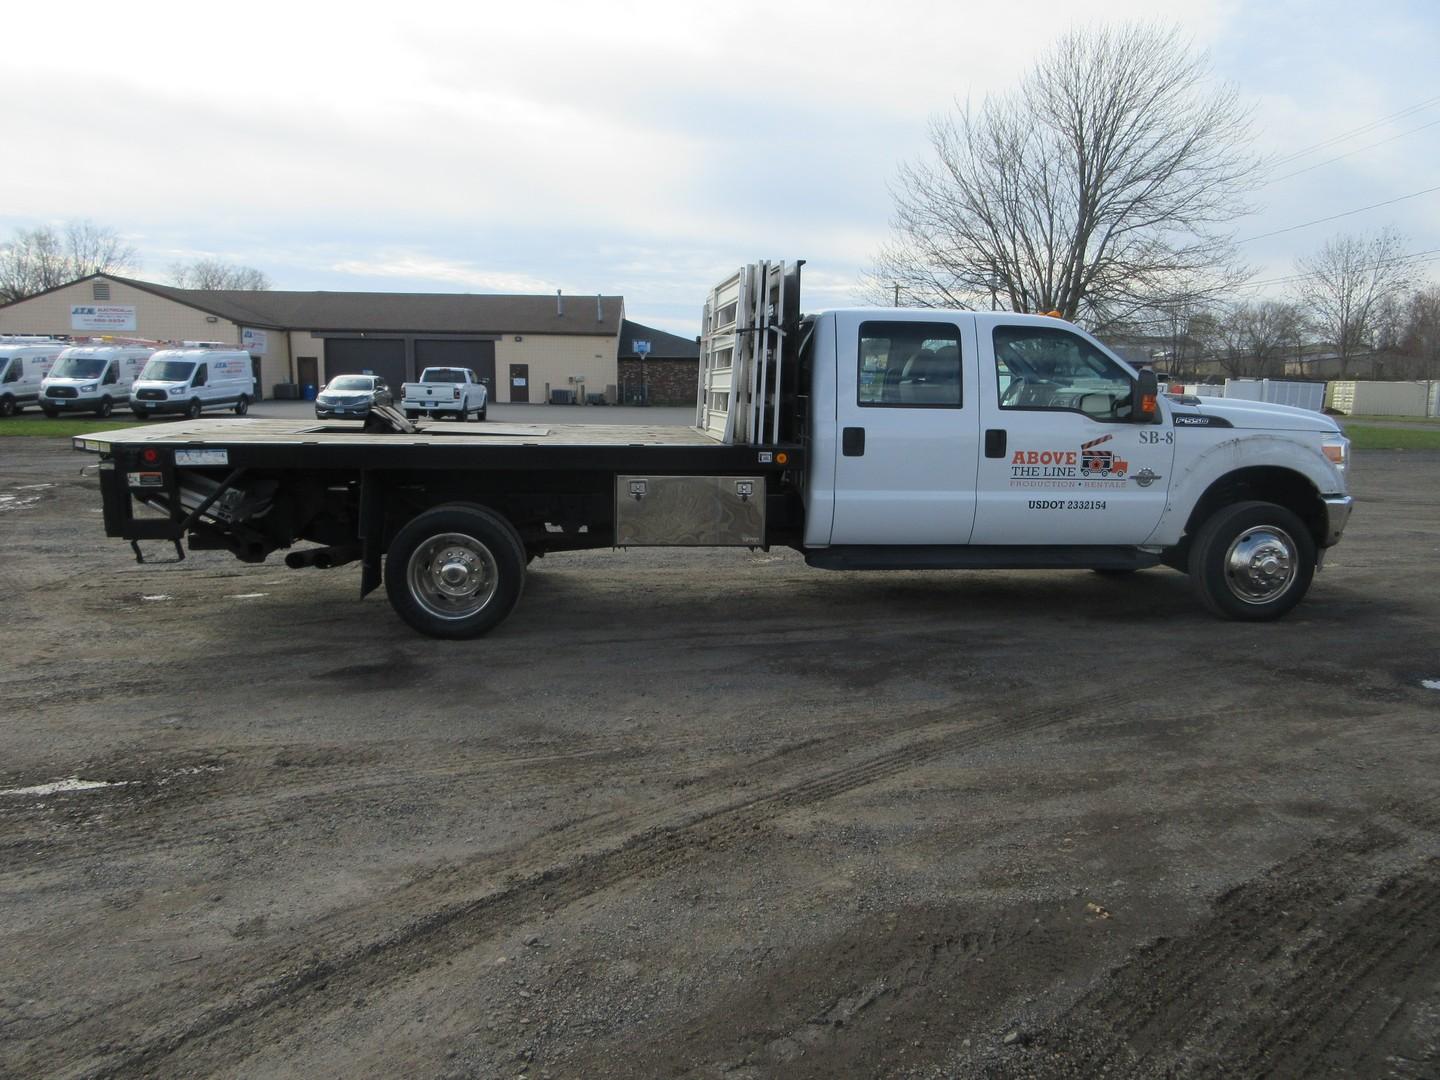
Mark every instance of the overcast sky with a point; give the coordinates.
(637, 148)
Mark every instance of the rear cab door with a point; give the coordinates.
(1062, 461)
(907, 428)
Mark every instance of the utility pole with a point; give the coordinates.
(897, 294)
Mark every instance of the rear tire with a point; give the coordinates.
(455, 571)
(193, 410)
(412, 414)
(481, 414)
(1252, 561)
(242, 406)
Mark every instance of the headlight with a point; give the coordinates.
(1338, 451)
(88, 389)
(174, 390)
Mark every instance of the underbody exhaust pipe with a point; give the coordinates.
(325, 558)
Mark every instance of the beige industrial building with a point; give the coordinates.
(523, 347)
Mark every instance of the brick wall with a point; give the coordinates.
(670, 382)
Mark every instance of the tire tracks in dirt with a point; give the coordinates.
(1293, 974)
(267, 1007)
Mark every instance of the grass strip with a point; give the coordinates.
(1378, 438)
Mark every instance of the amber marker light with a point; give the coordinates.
(781, 458)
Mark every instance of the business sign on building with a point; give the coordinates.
(102, 317)
(253, 341)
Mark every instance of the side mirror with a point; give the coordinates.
(1145, 406)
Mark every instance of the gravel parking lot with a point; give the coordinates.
(715, 814)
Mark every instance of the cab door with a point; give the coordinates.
(908, 427)
(1062, 462)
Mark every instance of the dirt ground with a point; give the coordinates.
(699, 814)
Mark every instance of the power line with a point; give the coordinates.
(1352, 153)
(1428, 255)
(1256, 287)
(1361, 130)
(1333, 217)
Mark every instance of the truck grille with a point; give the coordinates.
(61, 391)
(150, 395)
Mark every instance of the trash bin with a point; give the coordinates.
(309, 391)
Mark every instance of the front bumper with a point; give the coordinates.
(357, 411)
(1337, 514)
(163, 405)
(76, 404)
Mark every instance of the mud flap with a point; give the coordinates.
(372, 530)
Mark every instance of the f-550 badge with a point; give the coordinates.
(1145, 477)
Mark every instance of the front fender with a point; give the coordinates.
(1196, 472)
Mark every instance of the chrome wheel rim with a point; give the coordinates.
(452, 575)
(1261, 564)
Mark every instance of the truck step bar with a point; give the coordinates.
(980, 557)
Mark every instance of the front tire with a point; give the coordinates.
(51, 413)
(140, 414)
(105, 408)
(455, 571)
(412, 414)
(1252, 561)
(481, 414)
(7, 406)
(193, 410)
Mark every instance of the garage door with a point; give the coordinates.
(366, 356)
(478, 356)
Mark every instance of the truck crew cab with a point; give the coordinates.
(865, 439)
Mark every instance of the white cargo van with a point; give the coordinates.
(92, 378)
(24, 362)
(192, 379)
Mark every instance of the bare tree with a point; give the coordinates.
(1098, 188)
(1420, 337)
(1254, 338)
(1346, 285)
(43, 258)
(213, 274)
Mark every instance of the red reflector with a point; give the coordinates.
(150, 455)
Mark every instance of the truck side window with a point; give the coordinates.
(1041, 367)
(909, 365)
(16, 367)
(112, 374)
(199, 379)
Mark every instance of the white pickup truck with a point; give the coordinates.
(865, 439)
(445, 391)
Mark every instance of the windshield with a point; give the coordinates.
(442, 374)
(79, 367)
(168, 370)
(353, 382)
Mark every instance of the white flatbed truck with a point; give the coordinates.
(865, 439)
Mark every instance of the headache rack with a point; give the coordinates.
(747, 354)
